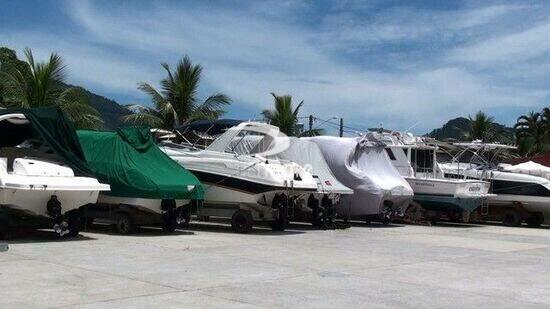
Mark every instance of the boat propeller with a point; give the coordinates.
(61, 228)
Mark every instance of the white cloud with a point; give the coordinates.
(524, 45)
(87, 65)
(248, 56)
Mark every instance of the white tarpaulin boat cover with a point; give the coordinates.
(531, 168)
(308, 155)
(298, 150)
(363, 165)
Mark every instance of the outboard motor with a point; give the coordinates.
(61, 227)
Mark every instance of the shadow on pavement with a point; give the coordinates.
(375, 225)
(142, 231)
(22, 236)
(223, 226)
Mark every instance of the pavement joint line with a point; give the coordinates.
(203, 290)
(175, 289)
(234, 300)
(99, 272)
(114, 299)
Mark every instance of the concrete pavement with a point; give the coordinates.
(371, 266)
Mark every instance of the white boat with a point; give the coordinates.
(362, 165)
(517, 197)
(240, 186)
(36, 186)
(416, 161)
(147, 187)
(319, 207)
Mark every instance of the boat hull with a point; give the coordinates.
(448, 203)
(152, 206)
(34, 202)
(222, 200)
(449, 195)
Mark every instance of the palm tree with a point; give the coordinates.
(177, 102)
(530, 133)
(284, 115)
(36, 84)
(480, 126)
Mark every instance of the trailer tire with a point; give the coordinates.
(242, 221)
(535, 219)
(168, 222)
(3, 230)
(281, 203)
(511, 218)
(124, 224)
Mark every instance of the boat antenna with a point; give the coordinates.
(200, 137)
(182, 136)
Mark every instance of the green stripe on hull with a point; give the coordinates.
(447, 202)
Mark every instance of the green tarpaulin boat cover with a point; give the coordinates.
(128, 159)
(134, 166)
(53, 127)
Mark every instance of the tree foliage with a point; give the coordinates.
(481, 126)
(284, 115)
(177, 100)
(30, 83)
(532, 132)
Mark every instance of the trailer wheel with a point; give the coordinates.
(511, 218)
(73, 223)
(313, 204)
(169, 222)
(433, 220)
(280, 202)
(242, 221)
(535, 220)
(124, 224)
(3, 230)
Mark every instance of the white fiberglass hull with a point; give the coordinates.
(506, 182)
(222, 201)
(435, 193)
(32, 183)
(34, 201)
(232, 182)
(451, 187)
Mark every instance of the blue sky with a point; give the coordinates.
(402, 64)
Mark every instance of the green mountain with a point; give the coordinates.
(459, 128)
(110, 110)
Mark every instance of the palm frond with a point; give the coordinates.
(144, 118)
(211, 108)
(176, 101)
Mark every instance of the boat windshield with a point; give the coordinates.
(249, 143)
